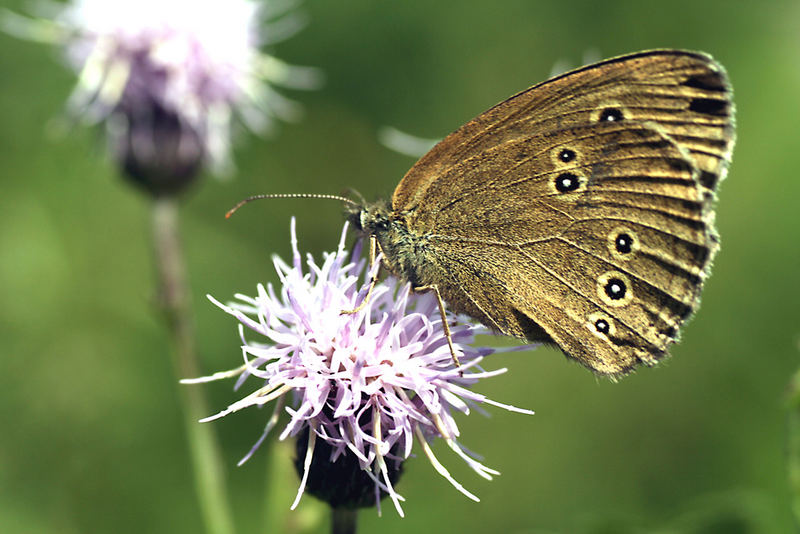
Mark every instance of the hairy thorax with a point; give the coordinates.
(406, 254)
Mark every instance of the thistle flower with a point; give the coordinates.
(358, 387)
(168, 76)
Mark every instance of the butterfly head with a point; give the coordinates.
(370, 219)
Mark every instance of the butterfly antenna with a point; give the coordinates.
(287, 195)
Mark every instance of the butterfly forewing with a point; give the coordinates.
(580, 210)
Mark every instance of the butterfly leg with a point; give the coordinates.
(446, 326)
(372, 255)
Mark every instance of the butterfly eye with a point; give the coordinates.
(566, 155)
(567, 182)
(611, 115)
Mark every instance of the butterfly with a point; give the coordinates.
(578, 212)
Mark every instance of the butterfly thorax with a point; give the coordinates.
(404, 253)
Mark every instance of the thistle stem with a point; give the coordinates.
(344, 520)
(793, 449)
(174, 300)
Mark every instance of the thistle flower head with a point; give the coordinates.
(184, 66)
(358, 387)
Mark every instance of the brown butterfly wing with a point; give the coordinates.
(580, 210)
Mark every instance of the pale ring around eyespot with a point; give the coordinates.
(601, 325)
(614, 289)
(623, 243)
(564, 156)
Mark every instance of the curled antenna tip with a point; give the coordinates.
(237, 206)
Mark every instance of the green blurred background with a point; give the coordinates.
(92, 438)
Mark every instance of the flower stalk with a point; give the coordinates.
(174, 300)
(344, 520)
(793, 449)
(168, 79)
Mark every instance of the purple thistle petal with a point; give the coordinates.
(198, 63)
(364, 384)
